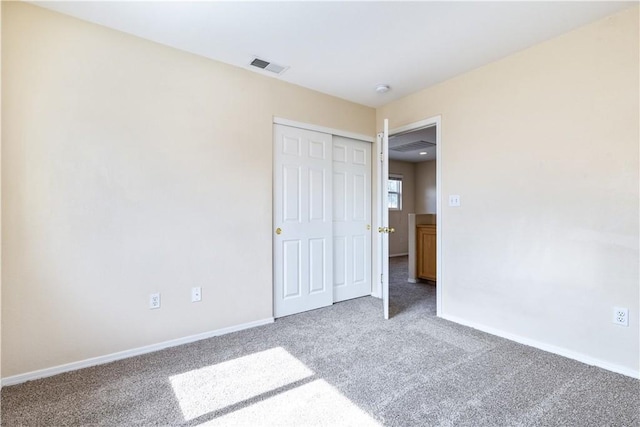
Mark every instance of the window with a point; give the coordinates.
(395, 192)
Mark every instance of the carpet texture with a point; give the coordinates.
(341, 365)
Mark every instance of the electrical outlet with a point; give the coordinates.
(454, 200)
(154, 301)
(196, 294)
(621, 316)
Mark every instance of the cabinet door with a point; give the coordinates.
(420, 243)
(430, 253)
(427, 252)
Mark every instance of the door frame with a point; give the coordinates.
(334, 132)
(431, 121)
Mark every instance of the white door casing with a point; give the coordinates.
(383, 215)
(351, 218)
(302, 215)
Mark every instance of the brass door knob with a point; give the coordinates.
(386, 230)
(278, 231)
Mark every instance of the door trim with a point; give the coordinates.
(431, 121)
(323, 129)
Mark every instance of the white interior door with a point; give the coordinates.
(351, 218)
(383, 215)
(303, 248)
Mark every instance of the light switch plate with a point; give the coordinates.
(454, 200)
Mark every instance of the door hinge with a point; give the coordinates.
(381, 278)
(381, 157)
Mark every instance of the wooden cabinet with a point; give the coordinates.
(426, 252)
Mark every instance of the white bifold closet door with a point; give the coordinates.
(351, 218)
(303, 223)
(322, 219)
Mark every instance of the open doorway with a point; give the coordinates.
(413, 208)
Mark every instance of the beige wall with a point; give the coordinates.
(426, 187)
(129, 168)
(399, 241)
(115, 149)
(542, 147)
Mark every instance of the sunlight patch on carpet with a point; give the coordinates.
(311, 404)
(205, 390)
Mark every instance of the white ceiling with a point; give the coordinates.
(347, 48)
(426, 134)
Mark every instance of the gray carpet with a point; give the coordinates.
(341, 365)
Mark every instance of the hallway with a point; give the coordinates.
(405, 297)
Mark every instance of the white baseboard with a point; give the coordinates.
(412, 280)
(547, 347)
(402, 254)
(42, 373)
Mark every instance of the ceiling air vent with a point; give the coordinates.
(268, 66)
(412, 146)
